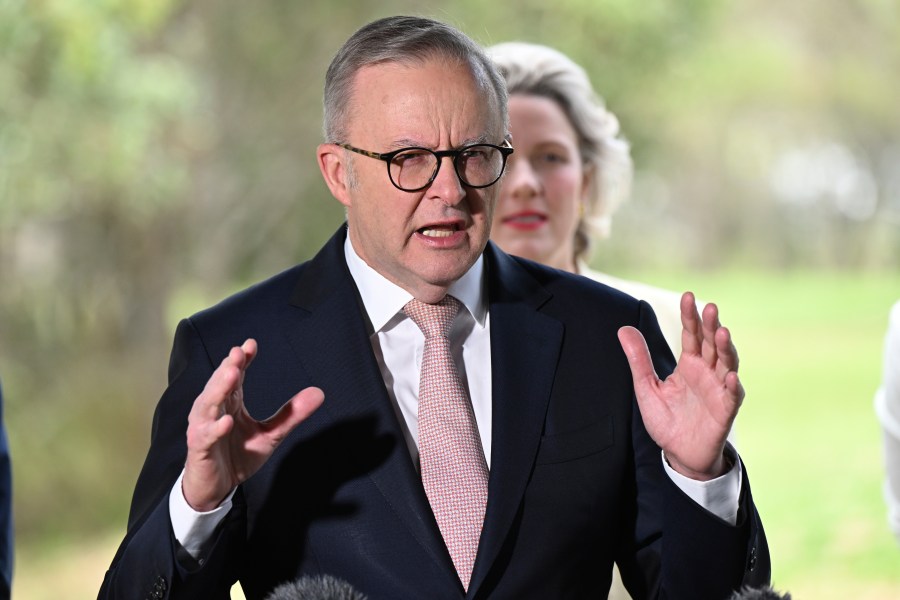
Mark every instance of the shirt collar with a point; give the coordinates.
(383, 299)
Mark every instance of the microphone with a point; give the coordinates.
(319, 587)
(763, 593)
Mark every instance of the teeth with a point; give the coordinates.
(437, 232)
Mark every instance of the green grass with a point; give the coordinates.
(810, 347)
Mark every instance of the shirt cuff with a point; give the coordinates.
(193, 529)
(721, 495)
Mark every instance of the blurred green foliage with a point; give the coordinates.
(94, 146)
(158, 154)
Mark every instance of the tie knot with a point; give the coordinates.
(433, 319)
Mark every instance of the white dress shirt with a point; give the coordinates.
(398, 345)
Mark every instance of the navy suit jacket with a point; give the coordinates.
(575, 484)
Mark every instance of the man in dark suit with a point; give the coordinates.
(565, 453)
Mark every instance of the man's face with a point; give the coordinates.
(422, 241)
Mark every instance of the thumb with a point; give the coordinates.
(638, 355)
(293, 412)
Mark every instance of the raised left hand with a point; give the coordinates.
(689, 415)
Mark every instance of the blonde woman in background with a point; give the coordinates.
(571, 170)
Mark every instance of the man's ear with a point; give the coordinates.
(332, 163)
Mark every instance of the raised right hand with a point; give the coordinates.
(225, 445)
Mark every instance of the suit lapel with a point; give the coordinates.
(333, 321)
(525, 346)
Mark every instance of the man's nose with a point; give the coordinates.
(447, 186)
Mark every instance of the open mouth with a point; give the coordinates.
(439, 231)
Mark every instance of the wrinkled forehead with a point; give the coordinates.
(377, 84)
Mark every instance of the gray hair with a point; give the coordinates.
(409, 41)
(537, 70)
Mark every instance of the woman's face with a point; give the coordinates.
(544, 185)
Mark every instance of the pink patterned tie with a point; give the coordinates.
(454, 471)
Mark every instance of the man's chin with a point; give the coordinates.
(438, 276)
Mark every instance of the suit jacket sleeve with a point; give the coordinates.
(678, 549)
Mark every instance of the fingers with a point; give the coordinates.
(210, 420)
(226, 383)
(212, 415)
(726, 351)
(691, 338)
(225, 444)
(709, 327)
(707, 337)
(698, 335)
(638, 356)
(735, 387)
(718, 349)
(249, 349)
(292, 413)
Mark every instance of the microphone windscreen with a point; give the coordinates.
(763, 593)
(319, 587)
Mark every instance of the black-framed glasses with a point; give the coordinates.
(413, 169)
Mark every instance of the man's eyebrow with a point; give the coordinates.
(411, 143)
(481, 139)
(406, 143)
